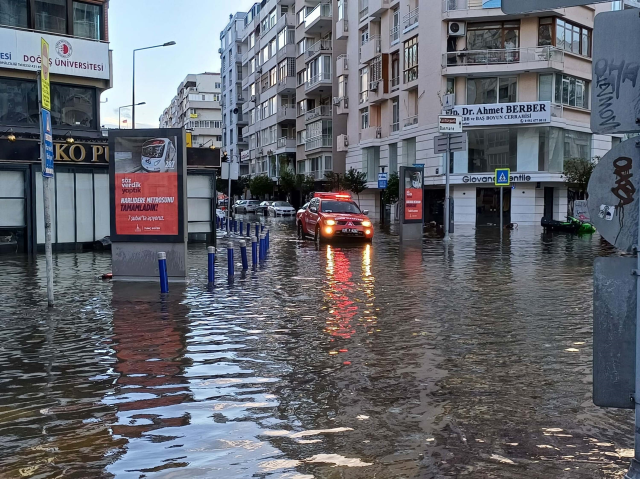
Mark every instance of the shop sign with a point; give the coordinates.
(518, 178)
(146, 181)
(45, 89)
(21, 50)
(245, 155)
(520, 113)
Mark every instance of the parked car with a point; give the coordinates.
(249, 206)
(281, 208)
(237, 205)
(333, 215)
(263, 207)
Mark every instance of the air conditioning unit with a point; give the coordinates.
(346, 103)
(259, 70)
(343, 142)
(336, 100)
(253, 98)
(373, 86)
(457, 29)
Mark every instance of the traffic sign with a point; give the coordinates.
(382, 181)
(613, 195)
(616, 67)
(503, 177)
(44, 77)
(47, 160)
(512, 7)
(453, 142)
(450, 124)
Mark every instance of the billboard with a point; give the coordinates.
(413, 191)
(146, 173)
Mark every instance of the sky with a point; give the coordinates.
(194, 25)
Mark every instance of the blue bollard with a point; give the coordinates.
(266, 238)
(162, 268)
(254, 250)
(248, 230)
(241, 227)
(212, 263)
(257, 230)
(261, 228)
(243, 254)
(262, 250)
(230, 265)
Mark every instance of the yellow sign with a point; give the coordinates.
(44, 77)
(193, 115)
(189, 145)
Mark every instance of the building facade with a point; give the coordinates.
(521, 83)
(196, 107)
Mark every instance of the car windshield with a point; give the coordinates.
(281, 204)
(153, 150)
(339, 207)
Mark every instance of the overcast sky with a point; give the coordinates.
(194, 25)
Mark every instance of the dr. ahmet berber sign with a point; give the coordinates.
(520, 113)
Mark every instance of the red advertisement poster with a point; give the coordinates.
(413, 195)
(147, 204)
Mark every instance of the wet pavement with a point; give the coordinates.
(350, 361)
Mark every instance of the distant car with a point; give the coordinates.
(158, 155)
(220, 213)
(249, 206)
(263, 207)
(237, 205)
(281, 208)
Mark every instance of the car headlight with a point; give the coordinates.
(366, 223)
(329, 222)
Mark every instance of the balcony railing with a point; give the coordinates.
(320, 77)
(395, 82)
(363, 8)
(394, 35)
(395, 126)
(373, 45)
(285, 142)
(410, 121)
(323, 141)
(319, 46)
(323, 110)
(411, 74)
(345, 61)
(502, 56)
(411, 18)
(321, 10)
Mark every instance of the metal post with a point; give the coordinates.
(262, 256)
(248, 230)
(133, 93)
(243, 254)
(46, 197)
(254, 250)
(229, 194)
(501, 195)
(230, 265)
(446, 189)
(257, 230)
(212, 263)
(162, 268)
(241, 227)
(266, 238)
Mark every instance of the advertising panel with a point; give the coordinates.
(146, 174)
(520, 113)
(413, 191)
(21, 50)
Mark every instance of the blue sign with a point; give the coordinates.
(382, 181)
(503, 177)
(491, 3)
(47, 161)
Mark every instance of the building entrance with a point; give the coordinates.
(488, 206)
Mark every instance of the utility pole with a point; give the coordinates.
(446, 189)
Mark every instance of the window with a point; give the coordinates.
(14, 13)
(411, 60)
(51, 15)
(252, 40)
(328, 163)
(86, 20)
(282, 70)
(364, 119)
(302, 107)
(273, 105)
(273, 74)
(342, 86)
(73, 106)
(341, 9)
(364, 84)
(265, 54)
(282, 38)
(393, 158)
(302, 46)
(301, 167)
(451, 85)
(252, 90)
(301, 16)
(302, 137)
(563, 89)
(272, 18)
(491, 36)
(395, 26)
(18, 102)
(395, 113)
(364, 35)
(492, 90)
(573, 38)
(491, 149)
(395, 69)
(371, 162)
(272, 48)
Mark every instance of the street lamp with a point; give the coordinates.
(212, 147)
(133, 86)
(127, 106)
(229, 159)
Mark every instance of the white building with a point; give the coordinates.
(196, 107)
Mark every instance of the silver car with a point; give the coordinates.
(249, 206)
(281, 208)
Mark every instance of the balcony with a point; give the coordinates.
(289, 50)
(316, 82)
(342, 106)
(286, 20)
(240, 99)
(242, 119)
(363, 98)
(342, 29)
(513, 60)
(318, 113)
(371, 133)
(468, 10)
(363, 10)
(378, 7)
(323, 141)
(286, 85)
(410, 78)
(342, 65)
(370, 49)
(286, 145)
(319, 20)
(286, 113)
(395, 83)
(394, 127)
(321, 46)
(377, 91)
(410, 20)
(410, 122)
(243, 139)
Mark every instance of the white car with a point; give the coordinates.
(249, 206)
(158, 155)
(281, 208)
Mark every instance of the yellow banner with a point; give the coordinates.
(44, 77)
(189, 145)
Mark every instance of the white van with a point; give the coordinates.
(158, 155)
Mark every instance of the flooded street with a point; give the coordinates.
(351, 361)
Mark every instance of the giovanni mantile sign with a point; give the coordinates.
(504, 113)
(522, 177)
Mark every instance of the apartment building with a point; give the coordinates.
(196, 107)
(233, 119)
(521, 83)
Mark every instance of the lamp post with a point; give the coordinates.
(133, 86)
(212, 147)
(127, 106)
(229, 159)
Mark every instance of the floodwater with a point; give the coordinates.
(350, 361)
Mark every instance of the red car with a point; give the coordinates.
(333, 215)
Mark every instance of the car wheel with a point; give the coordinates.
(300, 231)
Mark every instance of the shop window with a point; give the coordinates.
(393, 158)
(18, 102)
(73, 106)
(13, 13)
(86, 20)
(371, 162)
(492, 90)
(51, 16)
(491, 149)
(12, 200)
(492, 36)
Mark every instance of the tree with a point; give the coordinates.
(392, 193)
(306, 184)
(261, 185)
(355, 181)
(333, 181)
(287, 181)
(577, 172)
